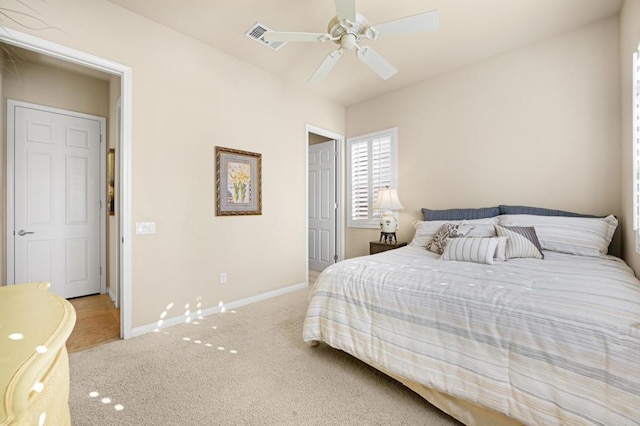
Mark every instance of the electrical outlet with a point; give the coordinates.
(223, 278)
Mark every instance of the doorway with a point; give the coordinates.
(323, 203)
(325, 216)
(123, 189)
(55, 202)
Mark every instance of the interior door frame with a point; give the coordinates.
(117, 296)
(10, 164)
(64, 53)
(340, 171)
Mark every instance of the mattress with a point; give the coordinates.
(553, 341)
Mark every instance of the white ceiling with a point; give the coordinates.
(470, 31)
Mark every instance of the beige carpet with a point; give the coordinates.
(250, 367)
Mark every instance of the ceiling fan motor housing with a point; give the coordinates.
(354, 30)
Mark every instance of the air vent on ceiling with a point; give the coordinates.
(256, 33)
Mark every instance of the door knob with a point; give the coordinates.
(22, 232)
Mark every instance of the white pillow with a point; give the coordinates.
(585, 236)
(471, 249)
(501, 249)
(425, 230)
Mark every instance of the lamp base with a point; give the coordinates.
(388, 222)
(388, 237)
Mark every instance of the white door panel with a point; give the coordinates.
(312, 244)
(57, 200)
(322, 205)
(326, 254)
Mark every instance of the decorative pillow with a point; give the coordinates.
(460, 214)
(501, 249)
(523, 241)
(574, 235)
(471, 249)
(538, 211)
(447, 231)
(425, 230)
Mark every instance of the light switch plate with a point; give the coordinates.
(145, 228)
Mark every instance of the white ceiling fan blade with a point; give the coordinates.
(346, 9)
(426, 21)
(376, 62)
(284, 36)
(326, 66)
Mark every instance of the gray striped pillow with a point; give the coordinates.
(522, 241)
(471, 249)
(574, 235)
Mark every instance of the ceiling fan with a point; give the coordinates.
(349, 28)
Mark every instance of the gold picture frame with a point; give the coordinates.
(111, 182)
(238, 182)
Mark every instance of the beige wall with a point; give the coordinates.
(315, 139)
(188, 98)
(538, 126)
(45, 85)
(629, 40)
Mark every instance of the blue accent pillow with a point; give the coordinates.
(538, 211)
(460, 214)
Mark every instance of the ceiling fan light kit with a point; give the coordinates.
(348, 29)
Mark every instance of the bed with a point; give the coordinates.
(522, 340)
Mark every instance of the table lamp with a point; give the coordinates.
(388, 202)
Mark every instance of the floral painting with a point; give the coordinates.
(238, 182)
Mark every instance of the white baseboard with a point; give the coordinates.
(168, 322)
(112, 296)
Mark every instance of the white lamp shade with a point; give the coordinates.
(387, 200)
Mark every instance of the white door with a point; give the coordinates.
(57, 198)
(322, 205)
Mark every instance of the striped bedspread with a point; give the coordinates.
(553, 341)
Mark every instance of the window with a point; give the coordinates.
(636, 146)
(371, 165)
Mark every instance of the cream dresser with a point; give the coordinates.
(34, 366)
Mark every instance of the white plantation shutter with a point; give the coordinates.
(371, 166)
(636, 145)
(359, 156)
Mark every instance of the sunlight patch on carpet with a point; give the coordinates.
(105, 400)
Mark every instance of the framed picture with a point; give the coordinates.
(238, 182)
(111, 181)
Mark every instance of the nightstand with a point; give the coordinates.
(376, 247)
